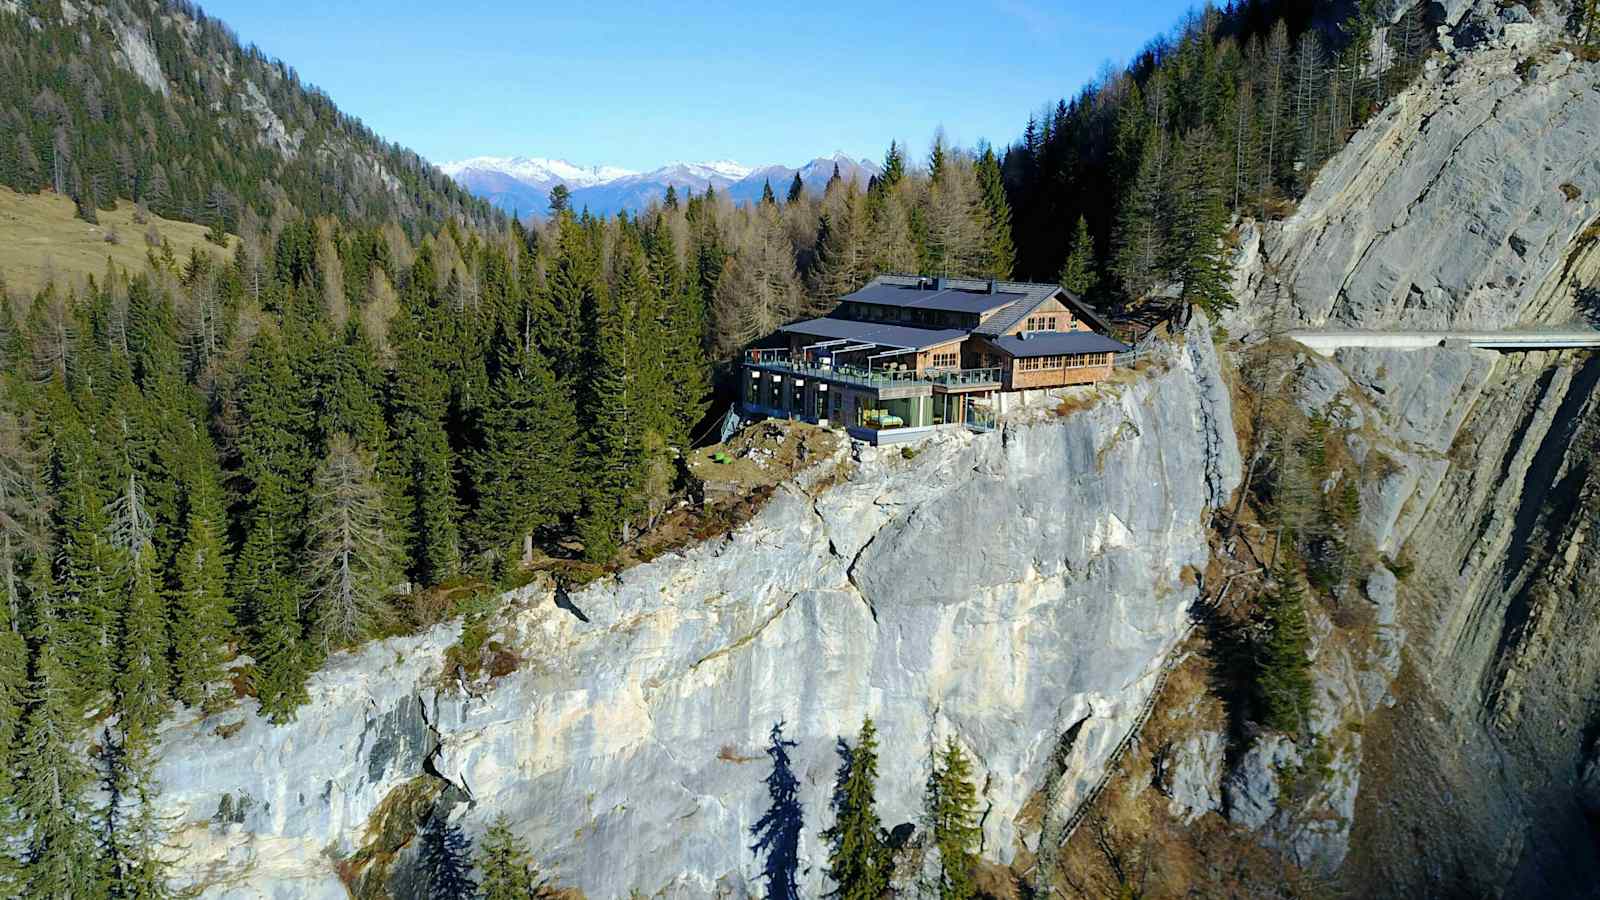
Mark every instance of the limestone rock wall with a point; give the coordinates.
(1017, 590)
(1472, 201)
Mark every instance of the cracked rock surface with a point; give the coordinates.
(1004, 588)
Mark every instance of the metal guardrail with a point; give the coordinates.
(1094, 792)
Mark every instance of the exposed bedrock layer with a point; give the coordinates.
(1017, 590)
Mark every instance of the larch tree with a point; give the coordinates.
(351, 560)
(958, 238)
(951, 807)
(760, 288)
(859, 861)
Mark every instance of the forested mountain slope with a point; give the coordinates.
(153, 101)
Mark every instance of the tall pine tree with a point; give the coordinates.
(859, 861)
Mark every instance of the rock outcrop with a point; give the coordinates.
(1017, 590)
(1470, 202)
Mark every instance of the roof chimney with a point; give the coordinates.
(994, 286)
(938, 283)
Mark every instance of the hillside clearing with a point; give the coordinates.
(41, 241)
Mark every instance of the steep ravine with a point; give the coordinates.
(1470, 203)
(1007, 589)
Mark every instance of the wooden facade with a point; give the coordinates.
(907, 353)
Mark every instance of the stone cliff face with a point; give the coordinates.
(1471, 202)
(1017, 590)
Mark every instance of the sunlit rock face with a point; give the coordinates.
(1017, 590)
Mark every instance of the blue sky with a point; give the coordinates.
(641, 84)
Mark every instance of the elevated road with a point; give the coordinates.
(1326, 341)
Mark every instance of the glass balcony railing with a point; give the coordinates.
(964, 377)
(886, 376)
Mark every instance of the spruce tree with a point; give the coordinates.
(446, 858)
(682, 329)
(842, 266)
(202, 624)
(277, 642)
(1002, 252)
(859, 861)
(58, 848)
(92, 572)
(505, 865)
(1283, 662)
(142, 675)
(778, 830)
(421, 403)
(24, 510)
(523, 473)
(1079, 275)
(952, 811)
(135, 860)
(1198, 256)
(894, 168)
(767, 197)
(797, 188)
(613, 453)
(1142, 219)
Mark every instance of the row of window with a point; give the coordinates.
(946, 360)
(1070, 361)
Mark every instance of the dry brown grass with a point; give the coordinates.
(42, 241)
(1130, 844)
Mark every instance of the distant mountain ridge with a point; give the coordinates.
(522, 184)
(84, 84)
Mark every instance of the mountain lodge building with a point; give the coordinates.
(908, 353)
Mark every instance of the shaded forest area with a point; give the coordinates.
(1129, 187)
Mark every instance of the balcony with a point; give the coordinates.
(806, 365)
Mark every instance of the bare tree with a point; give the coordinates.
(352, 559)
(955, 217)
(24, 506)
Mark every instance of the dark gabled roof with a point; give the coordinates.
(1037, 294)
(1057, 343)
(889, 291)
(897, 337)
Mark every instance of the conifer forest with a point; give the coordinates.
(219, 470)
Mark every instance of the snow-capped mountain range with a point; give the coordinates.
(522, 184)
